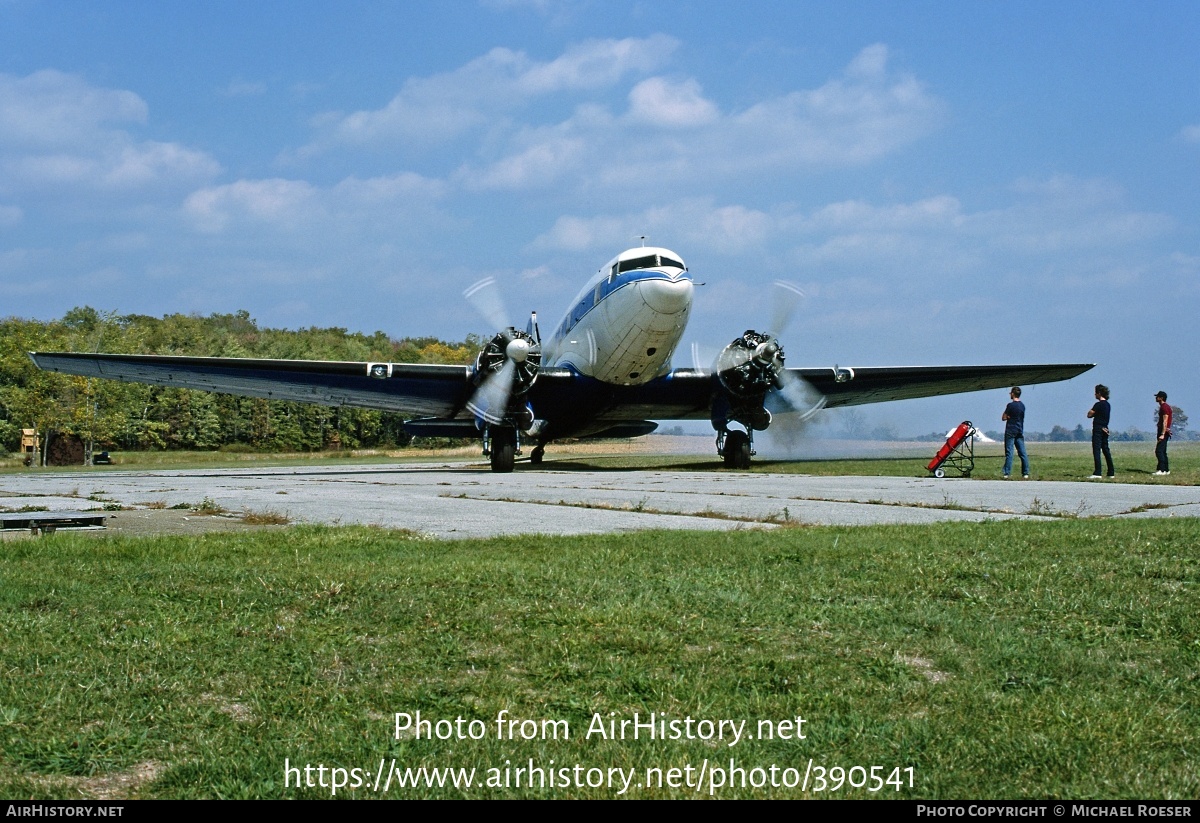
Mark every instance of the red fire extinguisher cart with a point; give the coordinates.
(958, 452)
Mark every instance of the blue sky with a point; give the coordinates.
(948, 182)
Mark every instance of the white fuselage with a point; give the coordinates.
(625, 324)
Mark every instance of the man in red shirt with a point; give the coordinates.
(1163, 415)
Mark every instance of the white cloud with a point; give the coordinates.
(662, 102)
(1064, 213)
(1191, 133)
(296, 206)
(939, 211)
(1081, 226)
(56, 130)
(272, 201)
(539, 164)
(862, 116)
(50, 109)
(691, 224)
(442, 106)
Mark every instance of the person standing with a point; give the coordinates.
(1100, 414)
(1014, 433)
(1163, 416)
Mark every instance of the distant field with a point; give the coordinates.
(992, 660)
(1049, 461)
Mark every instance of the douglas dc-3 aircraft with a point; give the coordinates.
(605, 371)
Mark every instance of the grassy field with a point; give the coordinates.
(1134, 462)
(125, 461)
(994, 660)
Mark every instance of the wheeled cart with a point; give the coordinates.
(958, 452)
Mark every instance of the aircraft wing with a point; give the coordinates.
(410, 389)
(433, 395)
(686, 394)
(857, 386)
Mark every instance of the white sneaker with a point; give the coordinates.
(1093, 477)
(1162, 474)
(1025, 476)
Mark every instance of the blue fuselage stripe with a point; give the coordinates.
(607, 287)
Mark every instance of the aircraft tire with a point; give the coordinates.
(504, 450)
(737, 450)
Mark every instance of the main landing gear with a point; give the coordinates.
(737, 450)
(501, 445)
(736, 447)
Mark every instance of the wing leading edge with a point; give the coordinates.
(857, 386)
(410, 389)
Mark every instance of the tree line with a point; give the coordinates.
(128, 416)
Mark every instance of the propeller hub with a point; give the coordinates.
(517, 350)
(765, 352)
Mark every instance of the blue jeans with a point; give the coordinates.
(1019, 441)
(1100, 446)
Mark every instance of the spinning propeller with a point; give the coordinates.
(753, 364)
(507, 366)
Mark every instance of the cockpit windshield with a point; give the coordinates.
(650, 261)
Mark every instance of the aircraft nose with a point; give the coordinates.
(667, 296)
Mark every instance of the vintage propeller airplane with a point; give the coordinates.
(605, 371)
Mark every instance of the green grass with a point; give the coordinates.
(998, 660)
(133, 460)
(1134, 462)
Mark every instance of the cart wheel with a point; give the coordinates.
(939, 472)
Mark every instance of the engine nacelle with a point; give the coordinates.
(510, 346)
(505, 371)
(747, 369)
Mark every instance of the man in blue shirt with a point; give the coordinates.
(1100, 414)
(1014, 433)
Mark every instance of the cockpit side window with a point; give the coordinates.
(667, 261)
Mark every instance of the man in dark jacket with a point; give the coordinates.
(1100, 414)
